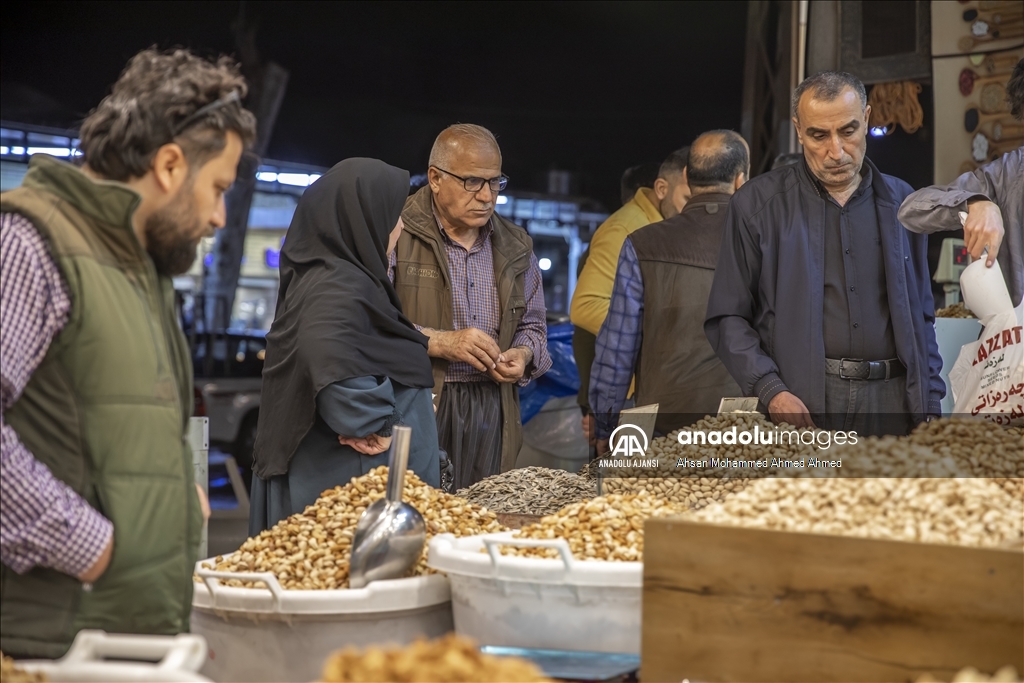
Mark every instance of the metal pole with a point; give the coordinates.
(199, 440)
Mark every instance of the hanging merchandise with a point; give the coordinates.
(896, 103)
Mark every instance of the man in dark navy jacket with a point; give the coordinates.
(821, 304)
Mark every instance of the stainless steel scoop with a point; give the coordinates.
(390, 535)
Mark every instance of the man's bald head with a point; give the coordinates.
(459, 138)
(719, 162)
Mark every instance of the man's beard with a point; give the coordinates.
(171, 235)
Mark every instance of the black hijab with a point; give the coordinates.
(338, 315)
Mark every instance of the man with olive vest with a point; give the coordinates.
(470, 282)
(101, 517)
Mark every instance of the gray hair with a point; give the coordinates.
(446, 144)
(827, 86)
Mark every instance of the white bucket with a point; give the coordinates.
(563, 604)
(275, 634)
(179, 658)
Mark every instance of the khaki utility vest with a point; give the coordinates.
(677, 368)
(423, 284)
(107, 411)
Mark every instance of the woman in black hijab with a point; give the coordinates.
(343, 364)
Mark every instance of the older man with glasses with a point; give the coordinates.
(470, 282)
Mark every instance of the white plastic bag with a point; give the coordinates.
(988, 376)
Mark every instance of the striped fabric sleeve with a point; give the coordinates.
(43, 522)
(618, 343)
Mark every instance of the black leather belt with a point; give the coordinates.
(855, 368)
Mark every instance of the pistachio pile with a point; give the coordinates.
(310, 550)
(451, 659)
(529, 491)
(609, 528)
(969, 512)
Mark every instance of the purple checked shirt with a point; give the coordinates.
(43, 522)
(475, 304)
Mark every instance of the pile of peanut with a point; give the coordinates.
(609, 528)
(310, 550)
(451, 659)
(968, 512)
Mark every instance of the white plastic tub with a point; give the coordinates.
(563, 604)
(177, 658)
(285, 635)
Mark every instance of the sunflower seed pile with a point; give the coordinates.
(530, 491)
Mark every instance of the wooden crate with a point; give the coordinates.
(732, 604)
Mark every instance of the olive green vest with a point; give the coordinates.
(107, 411)
(677, 368)
(423, 284)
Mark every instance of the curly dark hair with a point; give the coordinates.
(151, 104)
(1015, 91)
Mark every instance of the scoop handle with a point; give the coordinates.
(398, 461)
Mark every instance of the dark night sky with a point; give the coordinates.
(588, 87)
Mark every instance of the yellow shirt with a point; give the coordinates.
(593, 292)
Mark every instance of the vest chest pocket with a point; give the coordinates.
(410, 273)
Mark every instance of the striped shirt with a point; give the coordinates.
(43, 522)
(475, 304)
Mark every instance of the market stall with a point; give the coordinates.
(906, 563)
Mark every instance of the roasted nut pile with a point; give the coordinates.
(310, 550)
(957, 310)
(530, 491)
(697, 487)
(1007, 674)
(982, 448)
(10, 673)
(970, 512)
(609, 528)
(451, 659)
(948, 447)
(691, 491)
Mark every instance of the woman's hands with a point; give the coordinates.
(369, 445)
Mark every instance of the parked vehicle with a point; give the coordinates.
(228, 369)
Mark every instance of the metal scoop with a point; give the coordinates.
(390, 535)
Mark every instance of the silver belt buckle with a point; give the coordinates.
(842, 362)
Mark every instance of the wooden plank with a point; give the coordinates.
(734, 604)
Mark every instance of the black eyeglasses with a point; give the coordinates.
(476, 184)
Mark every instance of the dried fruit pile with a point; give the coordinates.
(451, 659)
